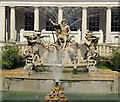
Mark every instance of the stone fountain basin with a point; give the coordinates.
(62, 65)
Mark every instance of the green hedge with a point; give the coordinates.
(11, 58)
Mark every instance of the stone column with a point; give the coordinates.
(2, 23)
(60, 14)
(101, 36)
(22, 39)
(1, 80)
(12, 24)
(79, 35)
(100, 50)
(84, 22)
(36, 18)
(108, 25)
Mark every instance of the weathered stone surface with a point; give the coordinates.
(44, 81)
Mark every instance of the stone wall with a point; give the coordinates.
(69, 86)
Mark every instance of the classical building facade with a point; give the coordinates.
(25, 16)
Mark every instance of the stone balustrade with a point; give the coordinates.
(105, 49)
(76, 35)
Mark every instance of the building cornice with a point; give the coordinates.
(64, 4)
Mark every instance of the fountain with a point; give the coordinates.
(63, 53)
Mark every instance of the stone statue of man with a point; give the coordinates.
(62, 28)
(62, 32)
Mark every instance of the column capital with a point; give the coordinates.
(109, 7)
(36, 6)
(60, 6)
(84, 6)
(2, 6)
(12, 6)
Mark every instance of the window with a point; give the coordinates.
(115, 24)
(94, 18)
(51, 13)
(29, 21)
(72, 22)
(72, 15)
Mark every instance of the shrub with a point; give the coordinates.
(103, 62)
(115, 60)
(11, 58)
(112, 62)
